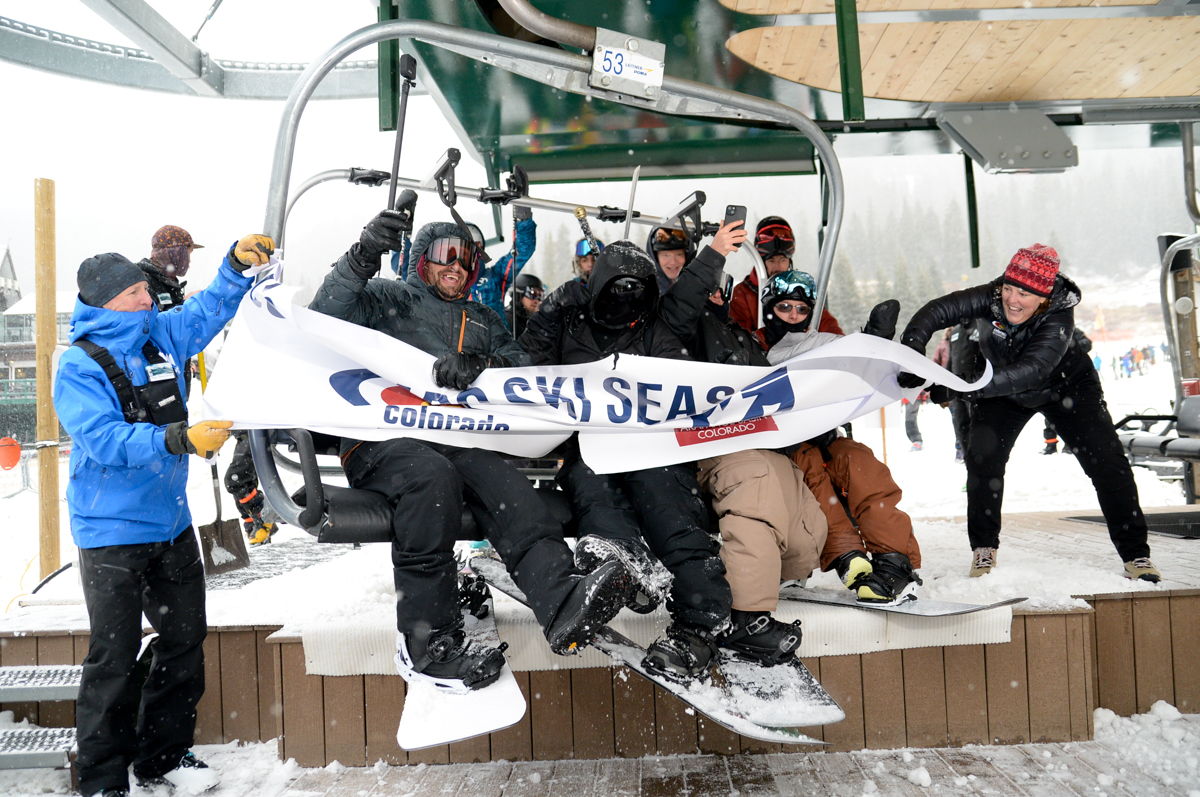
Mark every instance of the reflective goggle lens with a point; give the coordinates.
(583, 247)
(532, 293)
(627, 287)
(445, 251)
(670, 238)
(775, 239)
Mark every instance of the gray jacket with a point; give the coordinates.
(415, 313)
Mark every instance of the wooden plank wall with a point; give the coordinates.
(239, 670)
(1037, 687)
(1147, 648)
(1042, 686)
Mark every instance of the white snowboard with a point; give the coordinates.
(433, 717)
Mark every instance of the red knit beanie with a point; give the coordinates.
(1033, 269)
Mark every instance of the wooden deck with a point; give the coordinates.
(1125, 652)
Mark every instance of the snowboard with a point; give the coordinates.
(918, 607)
(765, 703)
(432, 717)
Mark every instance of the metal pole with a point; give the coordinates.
(46, 337)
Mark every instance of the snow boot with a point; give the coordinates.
(896, 571)
(595, 599)
(443, 657)
(855, 571)
(760, 637)
(1142, 569)
(189, 776)
(650, 577)
(473, 594)
(1051, 447)
(982, 561)
(685, 654)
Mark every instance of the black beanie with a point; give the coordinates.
(101, 277)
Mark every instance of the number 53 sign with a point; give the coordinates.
(628, 64)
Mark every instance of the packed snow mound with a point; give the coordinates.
(1161, 741)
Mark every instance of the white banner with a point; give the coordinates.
(317, 372)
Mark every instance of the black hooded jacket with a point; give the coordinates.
(565, 332)
(1031, 361)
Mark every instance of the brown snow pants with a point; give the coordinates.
(871, 493)
(772, 529)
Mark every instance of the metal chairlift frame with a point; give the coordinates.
(566, 71)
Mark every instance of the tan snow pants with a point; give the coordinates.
(772, 529)
(871, 493)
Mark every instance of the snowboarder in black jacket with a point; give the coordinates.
(1026, 323)
(618, 315)
(427, 482)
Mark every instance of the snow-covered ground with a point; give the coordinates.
(933, 494)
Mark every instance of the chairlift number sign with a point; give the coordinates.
(625, 63)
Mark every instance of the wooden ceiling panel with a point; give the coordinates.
(826, 6)
(998, 61)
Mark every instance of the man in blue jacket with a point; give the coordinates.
(120, 393)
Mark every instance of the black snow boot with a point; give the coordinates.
(856, 572)
(651, 578)
(595, 599)
(895, 570)
(685, 654)
(444, 658)
(762, 638)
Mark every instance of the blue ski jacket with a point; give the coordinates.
(125, 488)
(495, 279)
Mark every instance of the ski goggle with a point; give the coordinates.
(791, 284)
(532, 292)
(447, 251)
(583, 248)
(775, 239)
(626, 288)
(665, 238)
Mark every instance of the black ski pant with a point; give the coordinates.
(664, 507)
(960, 416)
(1081, 418)
(120, 719)
(241, 480)
(428, 484)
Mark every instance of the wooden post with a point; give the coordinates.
(46, 337)
(883, 433)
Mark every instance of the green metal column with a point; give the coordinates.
(972, 210)
(389, 70)
(849, 61)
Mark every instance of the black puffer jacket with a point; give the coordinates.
(414, 312)
(562, 331)
(167, 292)
(1032, 361)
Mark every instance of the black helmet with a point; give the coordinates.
(663, 239)
(773, 236)
(623, 287)
(795, 285)
(529, 286)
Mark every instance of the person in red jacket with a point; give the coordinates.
(776, 245)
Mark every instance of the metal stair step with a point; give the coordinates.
(32, 748)
(43, 682)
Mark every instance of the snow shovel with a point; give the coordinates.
(221, 541)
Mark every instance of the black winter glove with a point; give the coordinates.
(907, 380)
(522, 212)
(940, 394)
(459, 369)
(882, 321)
(382, 234)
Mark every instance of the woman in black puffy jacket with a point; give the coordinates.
(1025, 320)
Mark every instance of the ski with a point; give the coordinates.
(432, 717)
(917, 607)
(765, 703)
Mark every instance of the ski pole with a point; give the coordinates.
(408, 73)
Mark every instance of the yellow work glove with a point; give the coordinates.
(204, 438)
(252, 250)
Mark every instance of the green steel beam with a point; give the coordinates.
(389, 71)
(849, 60)
(972, 209)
